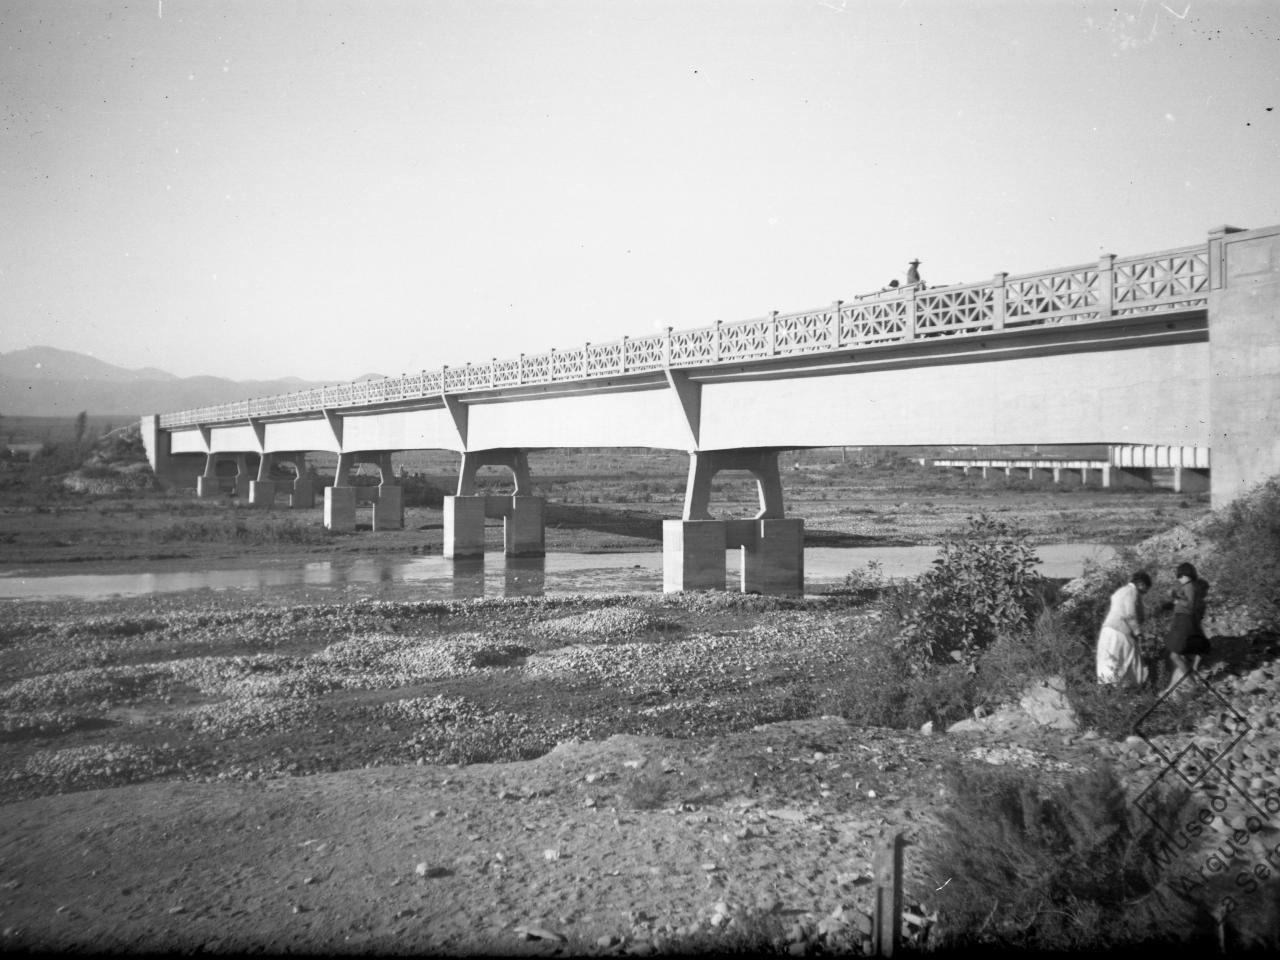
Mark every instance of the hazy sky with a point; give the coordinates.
(327, 189)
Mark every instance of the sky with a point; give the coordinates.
(328, 189)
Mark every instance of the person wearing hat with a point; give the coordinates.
(913, 275)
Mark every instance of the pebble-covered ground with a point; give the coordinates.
(605, 775)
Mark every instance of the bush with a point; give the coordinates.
(983, 583)
(1245, 569)
(1036, 865)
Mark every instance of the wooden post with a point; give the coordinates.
(887, 919)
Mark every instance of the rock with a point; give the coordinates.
(927, 727)
(606, 942)
(1046, 703)
(1042, 705)
(530, 932)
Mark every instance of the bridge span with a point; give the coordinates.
(1179, 348)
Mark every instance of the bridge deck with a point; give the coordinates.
(1114, 288)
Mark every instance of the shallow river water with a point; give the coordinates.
(434, 577)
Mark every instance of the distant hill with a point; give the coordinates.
(44, 381)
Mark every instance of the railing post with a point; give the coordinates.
(622, 356)
(520, 371)
(1106, 286)
(493, 367)
(998, 301)
(911, 315)
(716, 348)
(887, 919)
(835, 324)
(666, 348)
(586, 360)
(773, 333)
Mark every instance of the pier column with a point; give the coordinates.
(262, 491)
(340, 499)
(207, 483)
(242, 476)
(304, 488)
(693, 548)
(388, 508)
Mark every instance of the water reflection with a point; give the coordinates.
(431, 578)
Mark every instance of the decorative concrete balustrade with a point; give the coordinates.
(1113, 288)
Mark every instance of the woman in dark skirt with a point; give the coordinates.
(1186, 640)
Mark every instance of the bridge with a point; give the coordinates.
(1178, 348)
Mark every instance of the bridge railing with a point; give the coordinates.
(1113, 287)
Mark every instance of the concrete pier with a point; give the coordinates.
(523, 525)
(523, 516)
(340, 508)
(693, 548)
(694, 555)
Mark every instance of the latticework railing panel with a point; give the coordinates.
(1072, 294)
(567, 364)
(873, 321)
(455, 379)
(805, 332)
(746, 340)
(693, 346)
(644, 353)
(506, 373)
(1158, 281)
(954, 310)
(602, 360)
(479, 376)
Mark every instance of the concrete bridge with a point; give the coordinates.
(1129, 466)
(1179, 348)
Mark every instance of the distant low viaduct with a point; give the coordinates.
(1178, 349)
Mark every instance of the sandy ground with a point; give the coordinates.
(772, 829)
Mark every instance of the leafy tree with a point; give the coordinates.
(82, 424)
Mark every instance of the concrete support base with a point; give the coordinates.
(340, 509)
(693, 555)
(304, 493)
(523, 532)
(262, 493)
(463, 527)
(523, 528)
(388, 508)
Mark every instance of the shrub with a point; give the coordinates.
(982, 584)
(1245, 569)
(1036, 865)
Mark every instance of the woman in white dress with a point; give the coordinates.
(1119, 660)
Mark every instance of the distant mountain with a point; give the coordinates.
(49, 363)
(43, 381)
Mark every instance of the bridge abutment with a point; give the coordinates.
(1244, 351)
